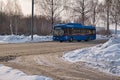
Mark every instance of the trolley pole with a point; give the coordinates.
(32, 21)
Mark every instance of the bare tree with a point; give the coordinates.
(50, 8)
(68, 14)
(17, 13)
(9, 12)
(14, 11)
(95, 10)
(2, 6)
(108, 5)
(1, 11)
(84, 8)
(115, 13)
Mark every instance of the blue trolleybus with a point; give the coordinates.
(73, 32)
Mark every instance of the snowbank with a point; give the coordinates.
(101, 37)
(7, 73)
(105, 57)
(23, 39)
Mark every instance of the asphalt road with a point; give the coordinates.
(44, 58)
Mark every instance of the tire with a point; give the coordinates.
(88, 39)
(61, 41)
(71, 39)
(78, 40)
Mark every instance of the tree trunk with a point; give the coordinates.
(16, 25)
(11, 27)
(83, 14)
(116, 28)
(94, 16)
(108, 6)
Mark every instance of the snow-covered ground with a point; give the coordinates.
(23, 39)
(105, 57)
(101, 37)
(7, 73)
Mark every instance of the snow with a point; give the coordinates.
(7, 73)
(23, 39)
(101, 37)
(105, 57)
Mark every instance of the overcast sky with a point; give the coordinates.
(26, 5)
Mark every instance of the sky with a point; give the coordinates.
(26, 6)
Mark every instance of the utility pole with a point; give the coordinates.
(32, 21)
(52, 15)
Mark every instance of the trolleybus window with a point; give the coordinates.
(58, 32)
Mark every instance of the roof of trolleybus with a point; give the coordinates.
(73, 25)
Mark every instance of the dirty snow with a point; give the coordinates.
(7, 73)
(23, 39)
(105, 57)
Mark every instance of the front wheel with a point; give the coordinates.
(78, 40)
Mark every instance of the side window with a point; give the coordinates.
(70, 31)
(76, 31)
(83, 31)
(65, 30)
(90, 31)
(94, 32)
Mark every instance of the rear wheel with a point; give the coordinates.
(71, 39)
(88, 39)
(61, 41)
